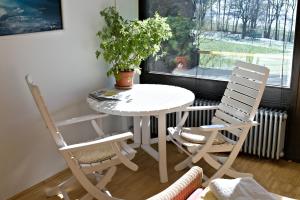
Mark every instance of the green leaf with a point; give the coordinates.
(124, 44)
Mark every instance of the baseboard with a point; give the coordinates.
(20, 194)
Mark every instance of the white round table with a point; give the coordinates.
(141, 102)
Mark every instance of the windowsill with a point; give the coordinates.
(207, 78)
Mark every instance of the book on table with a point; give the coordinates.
(102, 95)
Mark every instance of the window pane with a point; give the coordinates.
(209, 36)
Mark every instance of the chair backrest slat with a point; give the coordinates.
(236, 104)
(227, 117)
(242, 95)
(253, 67)
(40, 103)
(234, 112)
(216, 120)
(248, 74)
(245, 82)
(243, 90)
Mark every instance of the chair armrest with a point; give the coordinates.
(226, 127)
(183, 187)
(195, 108)
(93, 144)
(80, 119)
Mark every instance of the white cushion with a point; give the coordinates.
(193, 135)
(239, 188)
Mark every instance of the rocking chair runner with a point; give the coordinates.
(234, 114)
(97, 158)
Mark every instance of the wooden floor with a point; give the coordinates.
(280, 177)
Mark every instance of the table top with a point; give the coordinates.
(144, 100)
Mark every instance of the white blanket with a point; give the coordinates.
(239, 189)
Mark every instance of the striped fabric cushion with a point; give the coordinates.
(182, 188)
(188, 190)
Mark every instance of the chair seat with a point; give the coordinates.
(99, 154)
(192, 147)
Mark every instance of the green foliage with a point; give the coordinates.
(182, 41)
(125, 43)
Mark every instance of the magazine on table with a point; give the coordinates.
(102, 95)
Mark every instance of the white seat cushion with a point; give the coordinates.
(192, 146)
(193, 135)
(239, 188)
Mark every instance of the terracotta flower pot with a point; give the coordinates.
(124, 79)
(181, 62)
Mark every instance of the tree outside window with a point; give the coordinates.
(211, 35)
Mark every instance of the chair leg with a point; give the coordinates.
(196, 157)
(230, 172)
(87, 197)
(184, 164)
(60, 189)
(212, 162)
(106, 178)
(102, 180)
(94, 190)
(235, 174)
(97, 128)
(179, 150)
(221, 171)
(180, 147)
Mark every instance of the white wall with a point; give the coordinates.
(64, 65)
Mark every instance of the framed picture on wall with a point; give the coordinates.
(29, 16)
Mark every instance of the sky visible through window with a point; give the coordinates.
(209, 36)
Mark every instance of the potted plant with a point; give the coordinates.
(124, 44)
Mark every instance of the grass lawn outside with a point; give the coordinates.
(220, 54)
(230, 46)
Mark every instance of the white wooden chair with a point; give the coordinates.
(93, 159)
(234, 114)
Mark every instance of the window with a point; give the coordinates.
(209, 36)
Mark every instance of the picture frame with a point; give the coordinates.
(30, 16)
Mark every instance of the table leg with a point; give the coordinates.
(136, 132)
(146, 130)
(162, 148)
(178, 117)
(146, 139)
(178, 120)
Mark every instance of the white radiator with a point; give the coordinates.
(265, 140)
